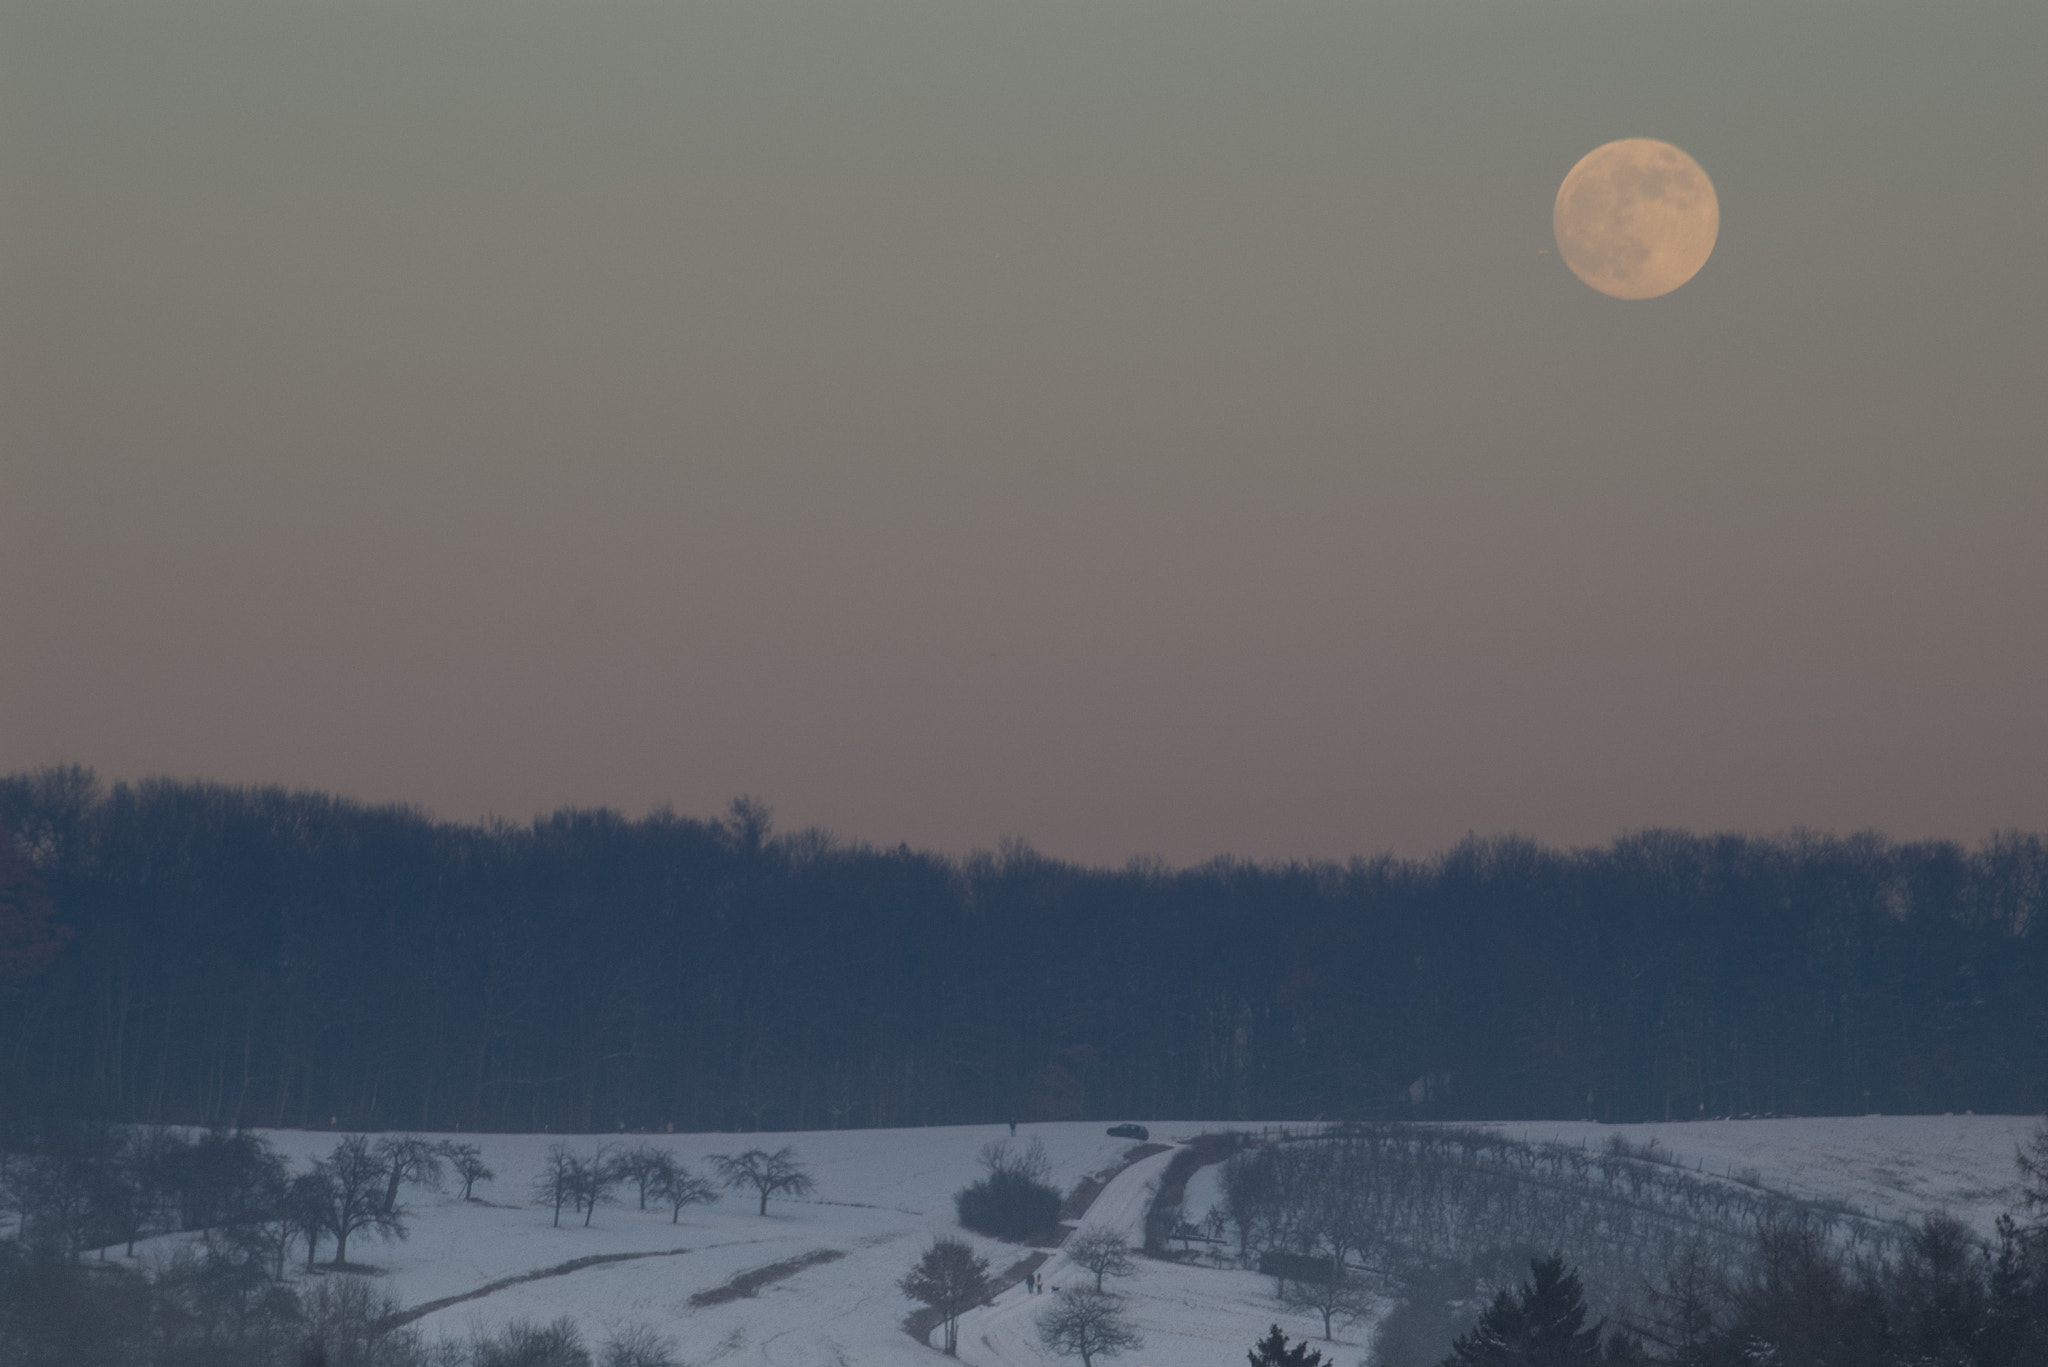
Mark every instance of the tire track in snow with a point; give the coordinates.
(426, 1308)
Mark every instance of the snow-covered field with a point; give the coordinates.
(883, 1194)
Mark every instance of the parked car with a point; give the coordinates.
(1138, 1132)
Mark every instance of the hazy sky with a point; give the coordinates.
(1136, 427)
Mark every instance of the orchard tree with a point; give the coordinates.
(307, 1199)
(590, 1183)
(220, 1178)
(1334, 1296)
(1087, 1325)
(680, 1187)
(767, 1173)
(407, 1159)
(156, 1157)
(646, 1167)
(468, 1162)
(352, 1195)
(556, 1184)
(270, 1227)
(1102, 1251)
(951, 1280)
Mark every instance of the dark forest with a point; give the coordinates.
(203, 954)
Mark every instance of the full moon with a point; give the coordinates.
(1636, 218)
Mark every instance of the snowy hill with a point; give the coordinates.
(828, 1295)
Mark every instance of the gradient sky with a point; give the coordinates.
(1136, 427)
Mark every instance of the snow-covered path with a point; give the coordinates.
(1006, 1334)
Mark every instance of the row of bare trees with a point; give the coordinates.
(583, 1182)
(223, 1295)
(1336, 1214)
(67, 1187)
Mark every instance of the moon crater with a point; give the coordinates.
(1636, 218)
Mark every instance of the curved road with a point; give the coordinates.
(1006, 1334)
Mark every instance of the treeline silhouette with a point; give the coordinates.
(240, 956)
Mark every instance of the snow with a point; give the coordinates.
(882, 1195)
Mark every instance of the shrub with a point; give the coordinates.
(638, 1346)
(525, 1344)
(1008, 1205)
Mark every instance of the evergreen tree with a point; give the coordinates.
(1539, 1325)
(1272, 1351)
(2015, 1332)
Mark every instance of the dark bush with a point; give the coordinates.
(1008, 1205)
(526, 1344)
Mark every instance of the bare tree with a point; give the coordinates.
(766, 1172)
(2033, 1166)
(351, 1195)
(637, 1345)
(468, 1162)
(306, 1200)
(1336, 1296)
(275, 1221)
(157, 1156)
(591, 1181)
(645, 1167)
(1087, 1324)
(1103, 1252)
(556, 1184)
(680, 1187)
(951, 1280)
(1683, 1315)
(1029, 1163)
(406, 1159)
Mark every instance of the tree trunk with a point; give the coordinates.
(764, 1200)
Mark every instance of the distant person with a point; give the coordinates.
(1013, 1129)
